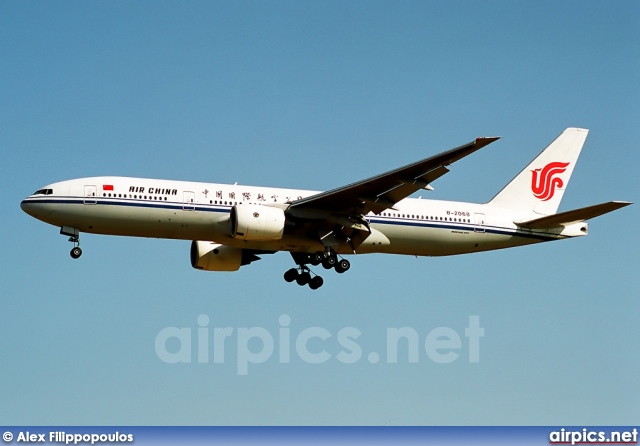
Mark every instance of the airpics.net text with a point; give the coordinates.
(257, 345)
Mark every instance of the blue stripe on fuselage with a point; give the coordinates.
(227, 208)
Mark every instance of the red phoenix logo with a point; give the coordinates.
(544, 187)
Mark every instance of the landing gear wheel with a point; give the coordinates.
(291, 275)
(76, 252)
(342, 266)
(330, 262)
(316, 283)
(303, 278)
(317, 258)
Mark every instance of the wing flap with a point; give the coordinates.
(574, 216)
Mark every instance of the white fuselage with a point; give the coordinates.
(200, 211)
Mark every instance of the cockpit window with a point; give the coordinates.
(43, 192)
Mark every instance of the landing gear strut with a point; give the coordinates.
(74, 237)
(303, 274)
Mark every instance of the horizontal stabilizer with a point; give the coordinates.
(574, 216)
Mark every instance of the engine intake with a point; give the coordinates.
(256, 223)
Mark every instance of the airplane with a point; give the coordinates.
(232, 225)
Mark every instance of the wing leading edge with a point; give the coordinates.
(383, 191)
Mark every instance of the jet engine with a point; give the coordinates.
(211, 256)
(257, 223)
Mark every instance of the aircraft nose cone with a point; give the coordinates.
(24, 206)
(29, 208)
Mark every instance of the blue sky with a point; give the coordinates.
(315, 95)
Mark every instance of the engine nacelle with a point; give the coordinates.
(257, 223)
(211, 256)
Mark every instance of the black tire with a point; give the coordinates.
(316, 283)
(342, 266)
(291, 275)
(313, 261)
(317, 258)
(303, 278)
(76, 252)
(330, 262)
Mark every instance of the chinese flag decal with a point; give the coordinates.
(107, 187)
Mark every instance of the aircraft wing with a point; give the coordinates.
(383, 191)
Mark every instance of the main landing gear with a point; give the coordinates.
(74, 237)
(303, 274)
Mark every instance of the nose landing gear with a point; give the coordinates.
(74, 237)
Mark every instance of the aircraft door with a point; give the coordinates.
(90, 194)
(189, 201)
(480, 223)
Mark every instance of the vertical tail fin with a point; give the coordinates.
(541, 185)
